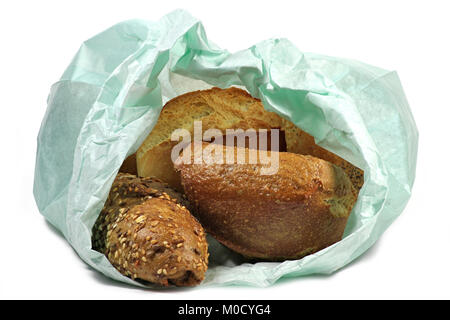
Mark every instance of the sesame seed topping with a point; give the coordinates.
(141, 219)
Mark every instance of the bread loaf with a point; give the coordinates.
(222, 109)
(148, 234)
(299, 210)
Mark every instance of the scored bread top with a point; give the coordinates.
(222, 109)
(231, 108)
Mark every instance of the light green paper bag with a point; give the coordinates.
(110, 96)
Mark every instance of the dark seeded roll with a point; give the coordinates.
(148, 234)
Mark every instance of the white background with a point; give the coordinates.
(39, 38)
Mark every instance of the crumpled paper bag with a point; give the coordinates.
(110, 96)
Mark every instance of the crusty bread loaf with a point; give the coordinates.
(300, 209)
(216, 108)
(221, 109)
(148, 234)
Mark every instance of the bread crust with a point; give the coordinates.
(148, 234)
(129, 165)
(232, 108)
(300, 142)
(222, 109)
(301, 209)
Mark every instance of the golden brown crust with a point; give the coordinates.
(297, 211)
(222, 109)
(232, 108)
(147, 234)
(300, 142)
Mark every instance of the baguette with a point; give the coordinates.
(222, 109)
(147, 233)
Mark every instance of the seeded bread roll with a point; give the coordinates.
(148, 234)
(300, 209)
(222, 109)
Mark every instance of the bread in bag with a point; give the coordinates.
(222, 109)
(147, 233)
(300, 209)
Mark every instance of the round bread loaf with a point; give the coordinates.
(148, 234)
(301, 208)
